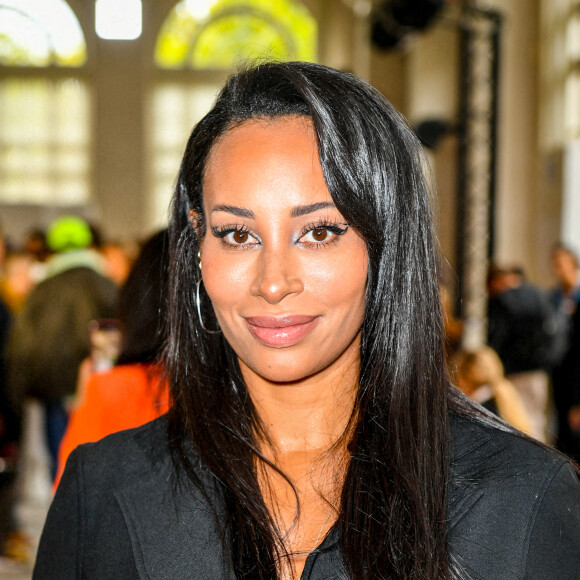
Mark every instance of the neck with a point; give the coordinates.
(305, 424)
(306, 416)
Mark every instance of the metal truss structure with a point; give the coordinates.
(480, 32)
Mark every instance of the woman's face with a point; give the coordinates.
(284, 271)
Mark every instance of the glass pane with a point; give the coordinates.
(44, 141)
(70, 163)
(40, 33)
(71, 190)
(572, 106)
(239, 36)
(573, 37)
(218, 34)
(174, 110)
(118, 19)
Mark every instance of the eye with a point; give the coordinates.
(235, 236)
(321, 234)
(239, 237)
(317, 235)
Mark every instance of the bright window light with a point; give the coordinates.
(118, 19)
(40, 33)
(199, 9)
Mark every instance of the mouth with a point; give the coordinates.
(281, 331)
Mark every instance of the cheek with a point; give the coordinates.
(342, 280)
(223, 279)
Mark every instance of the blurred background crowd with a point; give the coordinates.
(97, 99)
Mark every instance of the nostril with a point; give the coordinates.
(275, 289)
(276, 275)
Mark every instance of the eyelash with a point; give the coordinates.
(334, 227)
(222, 231)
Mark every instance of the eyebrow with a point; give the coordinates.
(297, 211)
(306, 209)
(237, 211)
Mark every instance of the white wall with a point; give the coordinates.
(571, 195)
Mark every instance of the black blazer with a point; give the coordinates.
(514, 513)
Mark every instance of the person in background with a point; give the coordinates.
(35, 245)
(9, 414)
(134, 391)
(36, 248)
(480, 375)
(119, 257)
(10, 427)
(453, 324)
(524, 330)
(50, 338)
(566, 295)
(20, 270)
(566, 382)
(19, 276)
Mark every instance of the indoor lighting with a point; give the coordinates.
(199, 9)
(118, 19)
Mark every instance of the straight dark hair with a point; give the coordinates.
(392, 514)
(142, 308)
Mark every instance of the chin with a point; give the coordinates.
(283, 372)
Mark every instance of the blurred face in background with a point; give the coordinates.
(565, 267)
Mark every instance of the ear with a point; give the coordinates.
(196, 222)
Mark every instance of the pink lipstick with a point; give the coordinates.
(281, 331)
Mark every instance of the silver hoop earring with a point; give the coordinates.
(198, 307)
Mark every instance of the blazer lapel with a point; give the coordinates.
(172, 527)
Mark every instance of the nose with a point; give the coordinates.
(277, 276)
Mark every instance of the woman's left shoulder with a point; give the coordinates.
(496, 452)
(513, 505)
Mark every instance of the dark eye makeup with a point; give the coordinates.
(322, 232)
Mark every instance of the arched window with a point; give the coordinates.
(572, 112)
(198, 44)
(45, 128)
(217, 34)
(40, 33)
(559, 114)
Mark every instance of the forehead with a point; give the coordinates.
(274, 159)
(287, 134)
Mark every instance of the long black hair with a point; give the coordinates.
(142, 308)
(391, 519)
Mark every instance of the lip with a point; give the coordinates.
(281, 331)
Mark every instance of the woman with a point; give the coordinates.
(313, 432)
(480, 376)
(134, 391)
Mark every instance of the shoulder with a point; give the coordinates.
(128, 485)
(85, 275)
(71, 279)
(112, 459)
(89, 515)
(502, 488)
(135, 467)
(523, 298)
(481, 448)
(496, 461)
